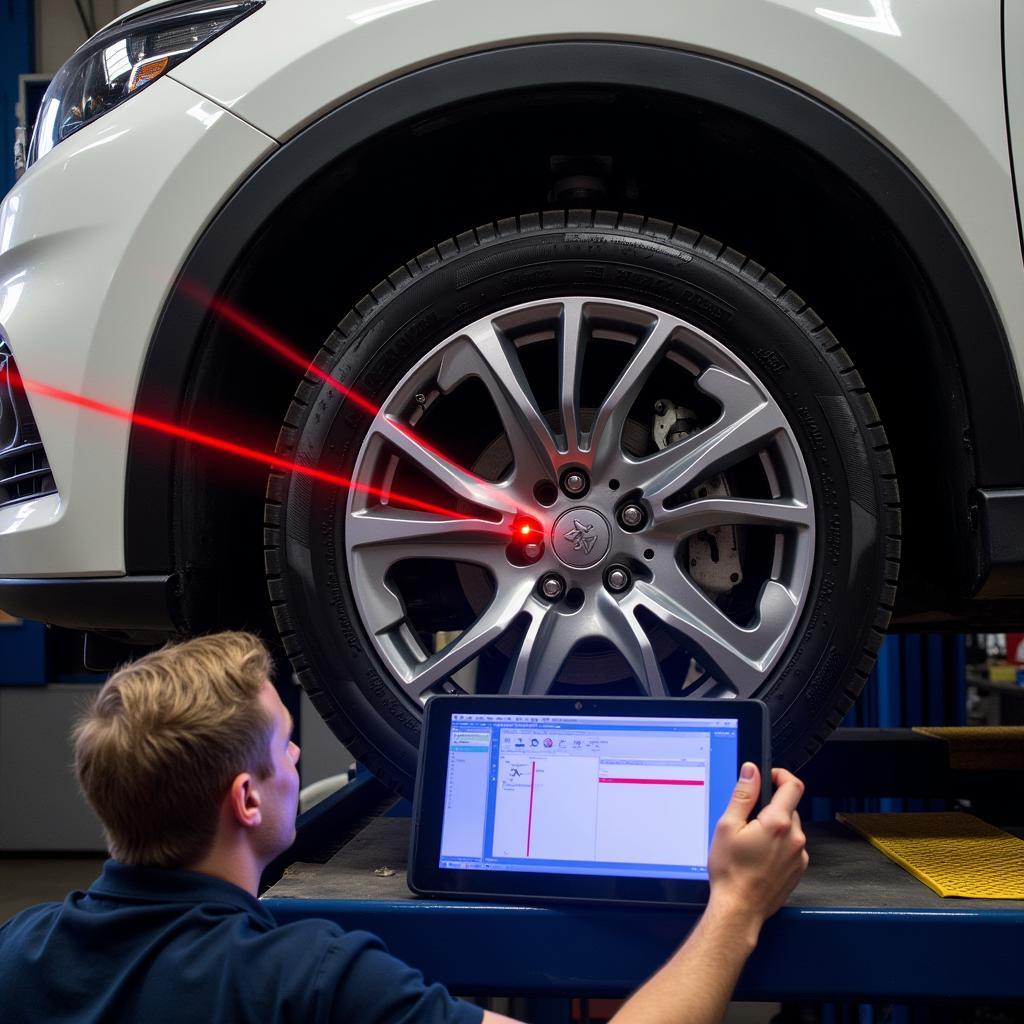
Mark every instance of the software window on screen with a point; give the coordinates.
(586, 795)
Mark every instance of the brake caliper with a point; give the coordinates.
(712, 555)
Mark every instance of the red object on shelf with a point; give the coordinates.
(1015, 648)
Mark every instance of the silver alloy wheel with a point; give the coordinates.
(582, 536)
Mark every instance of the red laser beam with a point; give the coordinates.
(229, 313)
(256, 331)
(230, 447)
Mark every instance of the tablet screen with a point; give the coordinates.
(593, 798)
(585, 795)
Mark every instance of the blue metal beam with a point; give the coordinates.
(805, 953)
(16, 38)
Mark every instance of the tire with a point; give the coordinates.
(766, 558)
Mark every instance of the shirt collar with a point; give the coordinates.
(167, 885)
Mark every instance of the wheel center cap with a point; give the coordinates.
(581, 537)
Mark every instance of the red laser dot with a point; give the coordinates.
(525, 528)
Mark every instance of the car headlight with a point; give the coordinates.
(123, 59)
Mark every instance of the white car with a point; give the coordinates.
(523, 348)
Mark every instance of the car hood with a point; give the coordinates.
(148, 5)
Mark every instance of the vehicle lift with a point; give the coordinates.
(857, 929)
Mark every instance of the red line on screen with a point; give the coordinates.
(529, 820)
(657, 782)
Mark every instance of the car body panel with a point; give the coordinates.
(925, 78)
(104, 239)
(1013, 55)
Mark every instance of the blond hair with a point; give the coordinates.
(158, 749)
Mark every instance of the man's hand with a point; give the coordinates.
(755, 864)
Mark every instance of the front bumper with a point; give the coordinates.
(91, 240)
(127, 604)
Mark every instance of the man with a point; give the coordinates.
(186, 755)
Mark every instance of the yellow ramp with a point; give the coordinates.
(953, 853)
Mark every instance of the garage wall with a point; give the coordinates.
(59, 30)
(322, 755)
(40, 805)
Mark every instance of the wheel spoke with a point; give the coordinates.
(571, 349)
(508, 602)
(747, 423)
(518, 674)
(384, 608)
(387, 537)
(707, 513)
(551, 636)
(621, 626)
(549, 640)
(488, 355)
(459, 481)
(737, 654)
(606, 435)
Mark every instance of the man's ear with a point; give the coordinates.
(244, 801)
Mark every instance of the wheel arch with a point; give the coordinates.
(945, 368)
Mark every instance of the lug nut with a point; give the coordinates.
(574, 482)
(617, 578)
(532, 551)
(552, 586)
(631, 516)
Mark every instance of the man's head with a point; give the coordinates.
(169, 736)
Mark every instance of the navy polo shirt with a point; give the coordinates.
(152, 945)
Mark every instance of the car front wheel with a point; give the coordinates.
(585, 453)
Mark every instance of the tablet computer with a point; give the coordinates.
(553, 798)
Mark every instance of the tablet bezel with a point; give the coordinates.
(426, 878)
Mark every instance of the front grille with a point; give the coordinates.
(24, 468)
